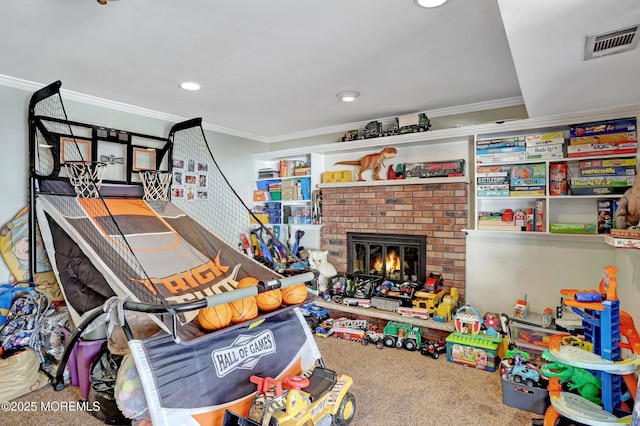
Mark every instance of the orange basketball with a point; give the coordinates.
(215, 318)
(269, 300)
(295, 294)
(243, 309)
(247, 282)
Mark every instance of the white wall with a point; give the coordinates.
(233, 154)
(501, 270)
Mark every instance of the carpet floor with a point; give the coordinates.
(392, 387)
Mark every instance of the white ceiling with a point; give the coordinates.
(271, 70)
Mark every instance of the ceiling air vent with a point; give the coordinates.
(610, 42)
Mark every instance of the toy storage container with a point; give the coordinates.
(531, 338)
(473, 351)
(527, 398)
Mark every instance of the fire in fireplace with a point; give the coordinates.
(394, 257)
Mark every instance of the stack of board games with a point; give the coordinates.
(602, 177)
(613, 137)
(546, 146)
(492, 181)
(498, 221)
(528, 180)
(623, 238)
(503, 150)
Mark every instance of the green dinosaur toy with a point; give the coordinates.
(587, 385)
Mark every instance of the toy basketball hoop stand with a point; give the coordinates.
(86, 177)
(156, 184)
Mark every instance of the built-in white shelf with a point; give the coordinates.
(408, 181)
(386, 315)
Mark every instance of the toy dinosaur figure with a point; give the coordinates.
(587, 385)
(628, 213)
(372, 161)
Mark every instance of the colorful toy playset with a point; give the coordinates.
(466, 346)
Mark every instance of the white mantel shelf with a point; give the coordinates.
(408, 181)
(386, 315)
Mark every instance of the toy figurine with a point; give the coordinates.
(318, 262)
(372, 161)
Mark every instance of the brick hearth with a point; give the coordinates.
(438, 211)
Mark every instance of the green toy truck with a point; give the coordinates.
(402, 335)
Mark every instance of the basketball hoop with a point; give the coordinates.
(156, 184)
(86, 177)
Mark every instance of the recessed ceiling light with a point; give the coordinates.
(429, 3)
(190, 85)
(348, 96)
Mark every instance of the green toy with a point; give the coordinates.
(587, 385)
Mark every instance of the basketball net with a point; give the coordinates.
(156, 184)
(86, 178)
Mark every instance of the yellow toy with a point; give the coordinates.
(322, 398)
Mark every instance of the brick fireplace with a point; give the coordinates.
(437, 211)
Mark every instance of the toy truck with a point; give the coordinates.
(428, 301)
(402, 335)
(445, 310)
(318, 399)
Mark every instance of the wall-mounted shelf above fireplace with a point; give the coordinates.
(408, 181)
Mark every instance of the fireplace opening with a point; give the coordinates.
(394, 257)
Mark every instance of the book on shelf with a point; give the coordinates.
(268, 174)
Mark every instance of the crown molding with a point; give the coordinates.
(122, 107)
(441, 112)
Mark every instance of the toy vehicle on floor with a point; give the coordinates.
(434, 347)
(402, 335)
(320, 399)
(373, 335)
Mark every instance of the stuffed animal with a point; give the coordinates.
(318, 262)
(628, 213)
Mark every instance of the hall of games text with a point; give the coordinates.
(50, 406)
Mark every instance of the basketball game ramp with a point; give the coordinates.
(184, 263)
(171, 256)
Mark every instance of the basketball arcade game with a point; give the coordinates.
(119, 245)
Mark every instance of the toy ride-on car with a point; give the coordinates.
(433, 347)
(320, 399)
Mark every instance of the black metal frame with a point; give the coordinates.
(368, 239)
(98, 134)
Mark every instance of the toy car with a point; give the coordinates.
(434, 347)
(373, 335)
(524, 374)
(314, 314)
(321, 398)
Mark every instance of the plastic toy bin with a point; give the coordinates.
(527, 398)
(473, 351)
(531, 338)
